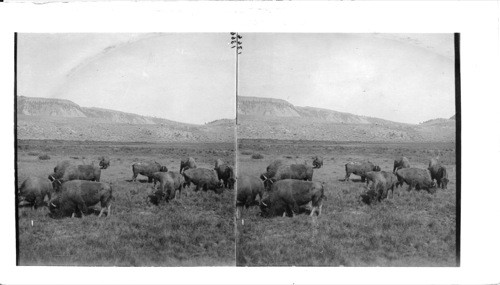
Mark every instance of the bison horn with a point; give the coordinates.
(264, 204)
(53, 205)
(265, 178)
(52, 178)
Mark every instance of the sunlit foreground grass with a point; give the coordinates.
(195, 230)
(412, 229)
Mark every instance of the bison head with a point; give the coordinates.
(57, 184)
(268, 183)
(263, 177)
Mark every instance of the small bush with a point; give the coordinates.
(257, 156)
(33, 153)
(246, 152)
(44, 157)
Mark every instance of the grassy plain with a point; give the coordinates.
(411, 229)
(195, 230)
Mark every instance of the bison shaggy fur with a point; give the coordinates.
(416, 178)
(248, 188)
(77, 195)
(317, 162)
(225, 173)
(187, 163)
(147, 169)
(401, 162)
(203, 178)
(34, 189)
(286, 196)
(360, 169)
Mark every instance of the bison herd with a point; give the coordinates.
(71, 189)
(283, 188)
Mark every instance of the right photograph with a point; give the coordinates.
(347, 150)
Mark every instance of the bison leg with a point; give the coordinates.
(347, 174)
(134, 176)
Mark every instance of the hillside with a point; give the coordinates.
(43, 118)
(278, 119)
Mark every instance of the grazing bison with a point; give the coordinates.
(203, 178)
(77, 172)
(272, 168)
(166, 184)
(438, 173)
(248, 189)
(34, 189)
(60, 169)
(155, 196)
(293, 171)
(287, 195)
(226, 174)
(187, 163)
(317, 162)
(382, 182)
(147, 169)
(77, 195)
(416, 177)
(104, 162)
(401, 162)
(360, 169)
(178, 181)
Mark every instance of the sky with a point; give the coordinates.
(191, 77)
(182, 77)
(405, 78)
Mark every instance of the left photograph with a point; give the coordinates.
(125, 149)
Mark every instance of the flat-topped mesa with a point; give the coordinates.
(268, 107)
(48, 107)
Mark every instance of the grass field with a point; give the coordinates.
(411, 229)
(195, 230)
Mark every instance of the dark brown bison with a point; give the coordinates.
(438, 173)
(293, 171)
(317, 162)
(401, 162)
(288, 195)
(226, 174)
(416, 178)
(60, 169)
(104, 162)
(33, 191)
(203, 178)
(147, 169)
(77, 172)
(167, 184)
(187, 163)
(382, 182)
(248, 189)
(77, 195)
(360, 169)
(272, 168)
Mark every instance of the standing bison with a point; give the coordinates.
(77, 195)
(288, 195)
(360, 169)
(438, 173)
(170, 182)
(248, 189)
(187, 163)
(203, 178)
(76, 172)
(416, 178)
(34, 189)
(293, 171)
(104, 162)
(382, 182)
(317, 162)
(401, 162)
(147, 169)
(226, 174)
